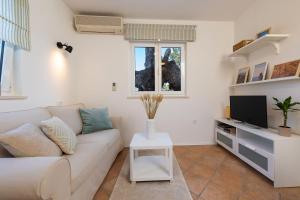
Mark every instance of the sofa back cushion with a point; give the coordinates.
(69, 114)
(12, 120)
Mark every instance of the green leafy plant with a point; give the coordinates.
(286, 106)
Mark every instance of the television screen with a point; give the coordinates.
(249, 109)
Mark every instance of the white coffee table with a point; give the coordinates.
(151, 167)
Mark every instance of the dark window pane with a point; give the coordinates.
(171, 68)
(144, 68)
(2, 43)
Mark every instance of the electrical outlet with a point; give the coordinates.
(114, 86)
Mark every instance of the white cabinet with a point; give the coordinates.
(273, 155)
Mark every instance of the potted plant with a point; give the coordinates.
(151, 103)
(286, 106)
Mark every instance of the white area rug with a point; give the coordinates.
(162, 190)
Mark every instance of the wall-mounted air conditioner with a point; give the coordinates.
(99, 24)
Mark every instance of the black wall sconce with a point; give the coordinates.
(68, 47)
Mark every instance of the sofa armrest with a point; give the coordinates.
(35, 178)
(116, 122)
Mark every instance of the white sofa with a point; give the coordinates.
(75, 177)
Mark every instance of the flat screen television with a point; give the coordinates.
(249, 109)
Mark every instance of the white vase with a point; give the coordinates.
(150, 128)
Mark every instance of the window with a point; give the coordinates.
(7, 69)
(159, 68)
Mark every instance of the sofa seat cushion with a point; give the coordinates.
(90, 151)
(84, 161)
(106, 137)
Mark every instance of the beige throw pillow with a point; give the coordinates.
(28, 141)
(60, 133)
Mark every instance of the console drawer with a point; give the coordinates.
(226, 140)
(257, 158)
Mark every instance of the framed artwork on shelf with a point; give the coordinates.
(259, 72)
(242, 75)
(286, 69)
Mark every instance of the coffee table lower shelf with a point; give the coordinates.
(150, 168)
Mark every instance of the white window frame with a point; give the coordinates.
(9, 89)
(158, 69)
(8, 72)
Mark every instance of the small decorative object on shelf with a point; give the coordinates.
(259, 72)
(241, 44)
(264, 32)
(286, 106)
(286, 69)
(267, 40)
(242, 75)
(227, 112)
(151, 103)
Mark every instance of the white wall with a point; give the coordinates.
(49, 76)
(45, 73)
(105, 59)
(283, 17)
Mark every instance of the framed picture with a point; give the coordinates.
(242, 75)
(259, 72)
(286, 69)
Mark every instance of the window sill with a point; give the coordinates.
(13, 97)
(165, 96)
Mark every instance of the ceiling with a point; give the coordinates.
(219, 10)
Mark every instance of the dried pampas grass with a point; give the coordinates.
(151, 103)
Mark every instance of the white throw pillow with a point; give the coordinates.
(60, 133)
(28, 141)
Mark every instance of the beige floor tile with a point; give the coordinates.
(259, 195)
(179, 150)
(194, 196)
(196, 184)
(217, 192)
(201, 170)
(101, 195)
(185, 163)
(289, 193)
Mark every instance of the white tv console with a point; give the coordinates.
(275, 156)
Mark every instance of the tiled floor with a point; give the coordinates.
(212, 174)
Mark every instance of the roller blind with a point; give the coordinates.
(14, 23)
(160, 32)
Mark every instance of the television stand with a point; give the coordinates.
(275, 156)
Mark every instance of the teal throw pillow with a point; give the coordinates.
(95, 119)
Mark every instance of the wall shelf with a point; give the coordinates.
(270, 39)
(292, 78)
